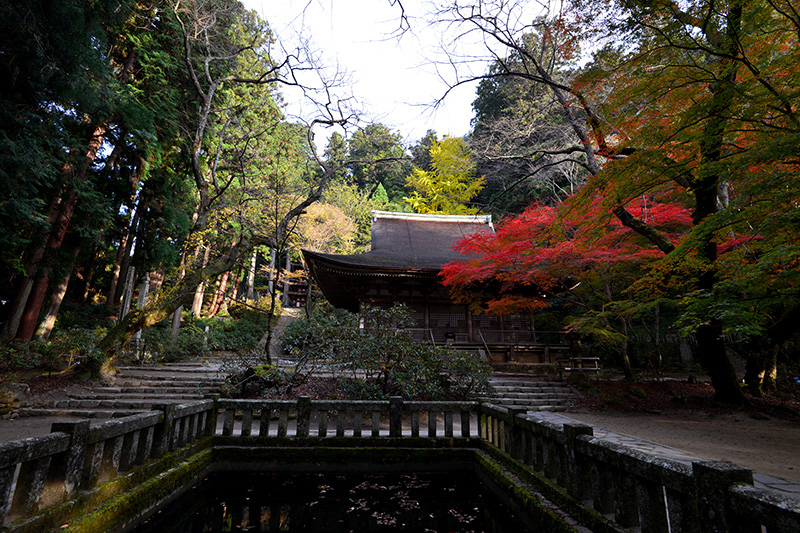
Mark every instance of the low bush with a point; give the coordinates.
(162, 346)
(382, 358)
(66, 348)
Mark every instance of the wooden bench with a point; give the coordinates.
(577, 364)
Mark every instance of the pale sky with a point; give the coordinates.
(393, 79)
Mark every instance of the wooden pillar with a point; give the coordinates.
(286, 280)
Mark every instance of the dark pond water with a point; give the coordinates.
(452, 502)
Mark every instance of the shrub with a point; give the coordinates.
(242, 330)
(162, 346)
(66, 348)
(383, 358)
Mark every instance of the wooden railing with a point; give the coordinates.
(459, 335)
(629, 487)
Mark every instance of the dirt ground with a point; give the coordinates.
(765, 436)
(768, 446)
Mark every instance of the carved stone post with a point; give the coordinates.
(70, 465)
(713, 481)
(164, 433)
(578, 469)
(303, 415)
(395, 416)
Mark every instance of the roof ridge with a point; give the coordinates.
(475, 219)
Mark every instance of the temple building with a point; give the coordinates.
(408, 251)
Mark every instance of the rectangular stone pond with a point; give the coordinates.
(337, 502)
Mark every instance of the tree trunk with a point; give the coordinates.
(175, 321)
(237, 280)
(157, 309)
(266, 340)
(124, 257)
(127, 294)
(251, 277)
(156, 279)
(718, 365)
(199, 293)
(124, 250)
(770, 381)
(705, 185)
(270, 285)
(220, 296)
(49, 320)
(32, 263)
(288, 270)
(31, 294)
(38, 291)
(144, 290)
(754, 374)
(627, 369)
(87, 276)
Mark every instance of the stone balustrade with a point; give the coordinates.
(629, 488)
(38, 472)
(635, 489)
(323, 418)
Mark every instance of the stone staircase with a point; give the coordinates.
(134, 389)
(530, 391)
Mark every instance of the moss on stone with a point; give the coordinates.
(129, 507)
(132, 496)
(85, 503)
(559, 497)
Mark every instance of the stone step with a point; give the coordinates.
(173, 368)
(548, 397)
(138, 404)
(530, 408)
(524, 401)
(529, 390)
(126, 383)
(150, 390)
(131, 395)
(168, 377)
(528, 387)
(540, 382)
(81, 413)
(528, 378)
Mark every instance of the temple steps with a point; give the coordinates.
(531, 392)
(133, 390)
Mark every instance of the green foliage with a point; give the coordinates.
(260, 381)
(66, 348)
(92, 317)
(450, 185)
(381, 160)
(242, 330)
(163, 347)
(383, 358)
(16, 355)
(421, 151)
(321, 336)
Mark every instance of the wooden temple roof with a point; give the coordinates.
(408, 250)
